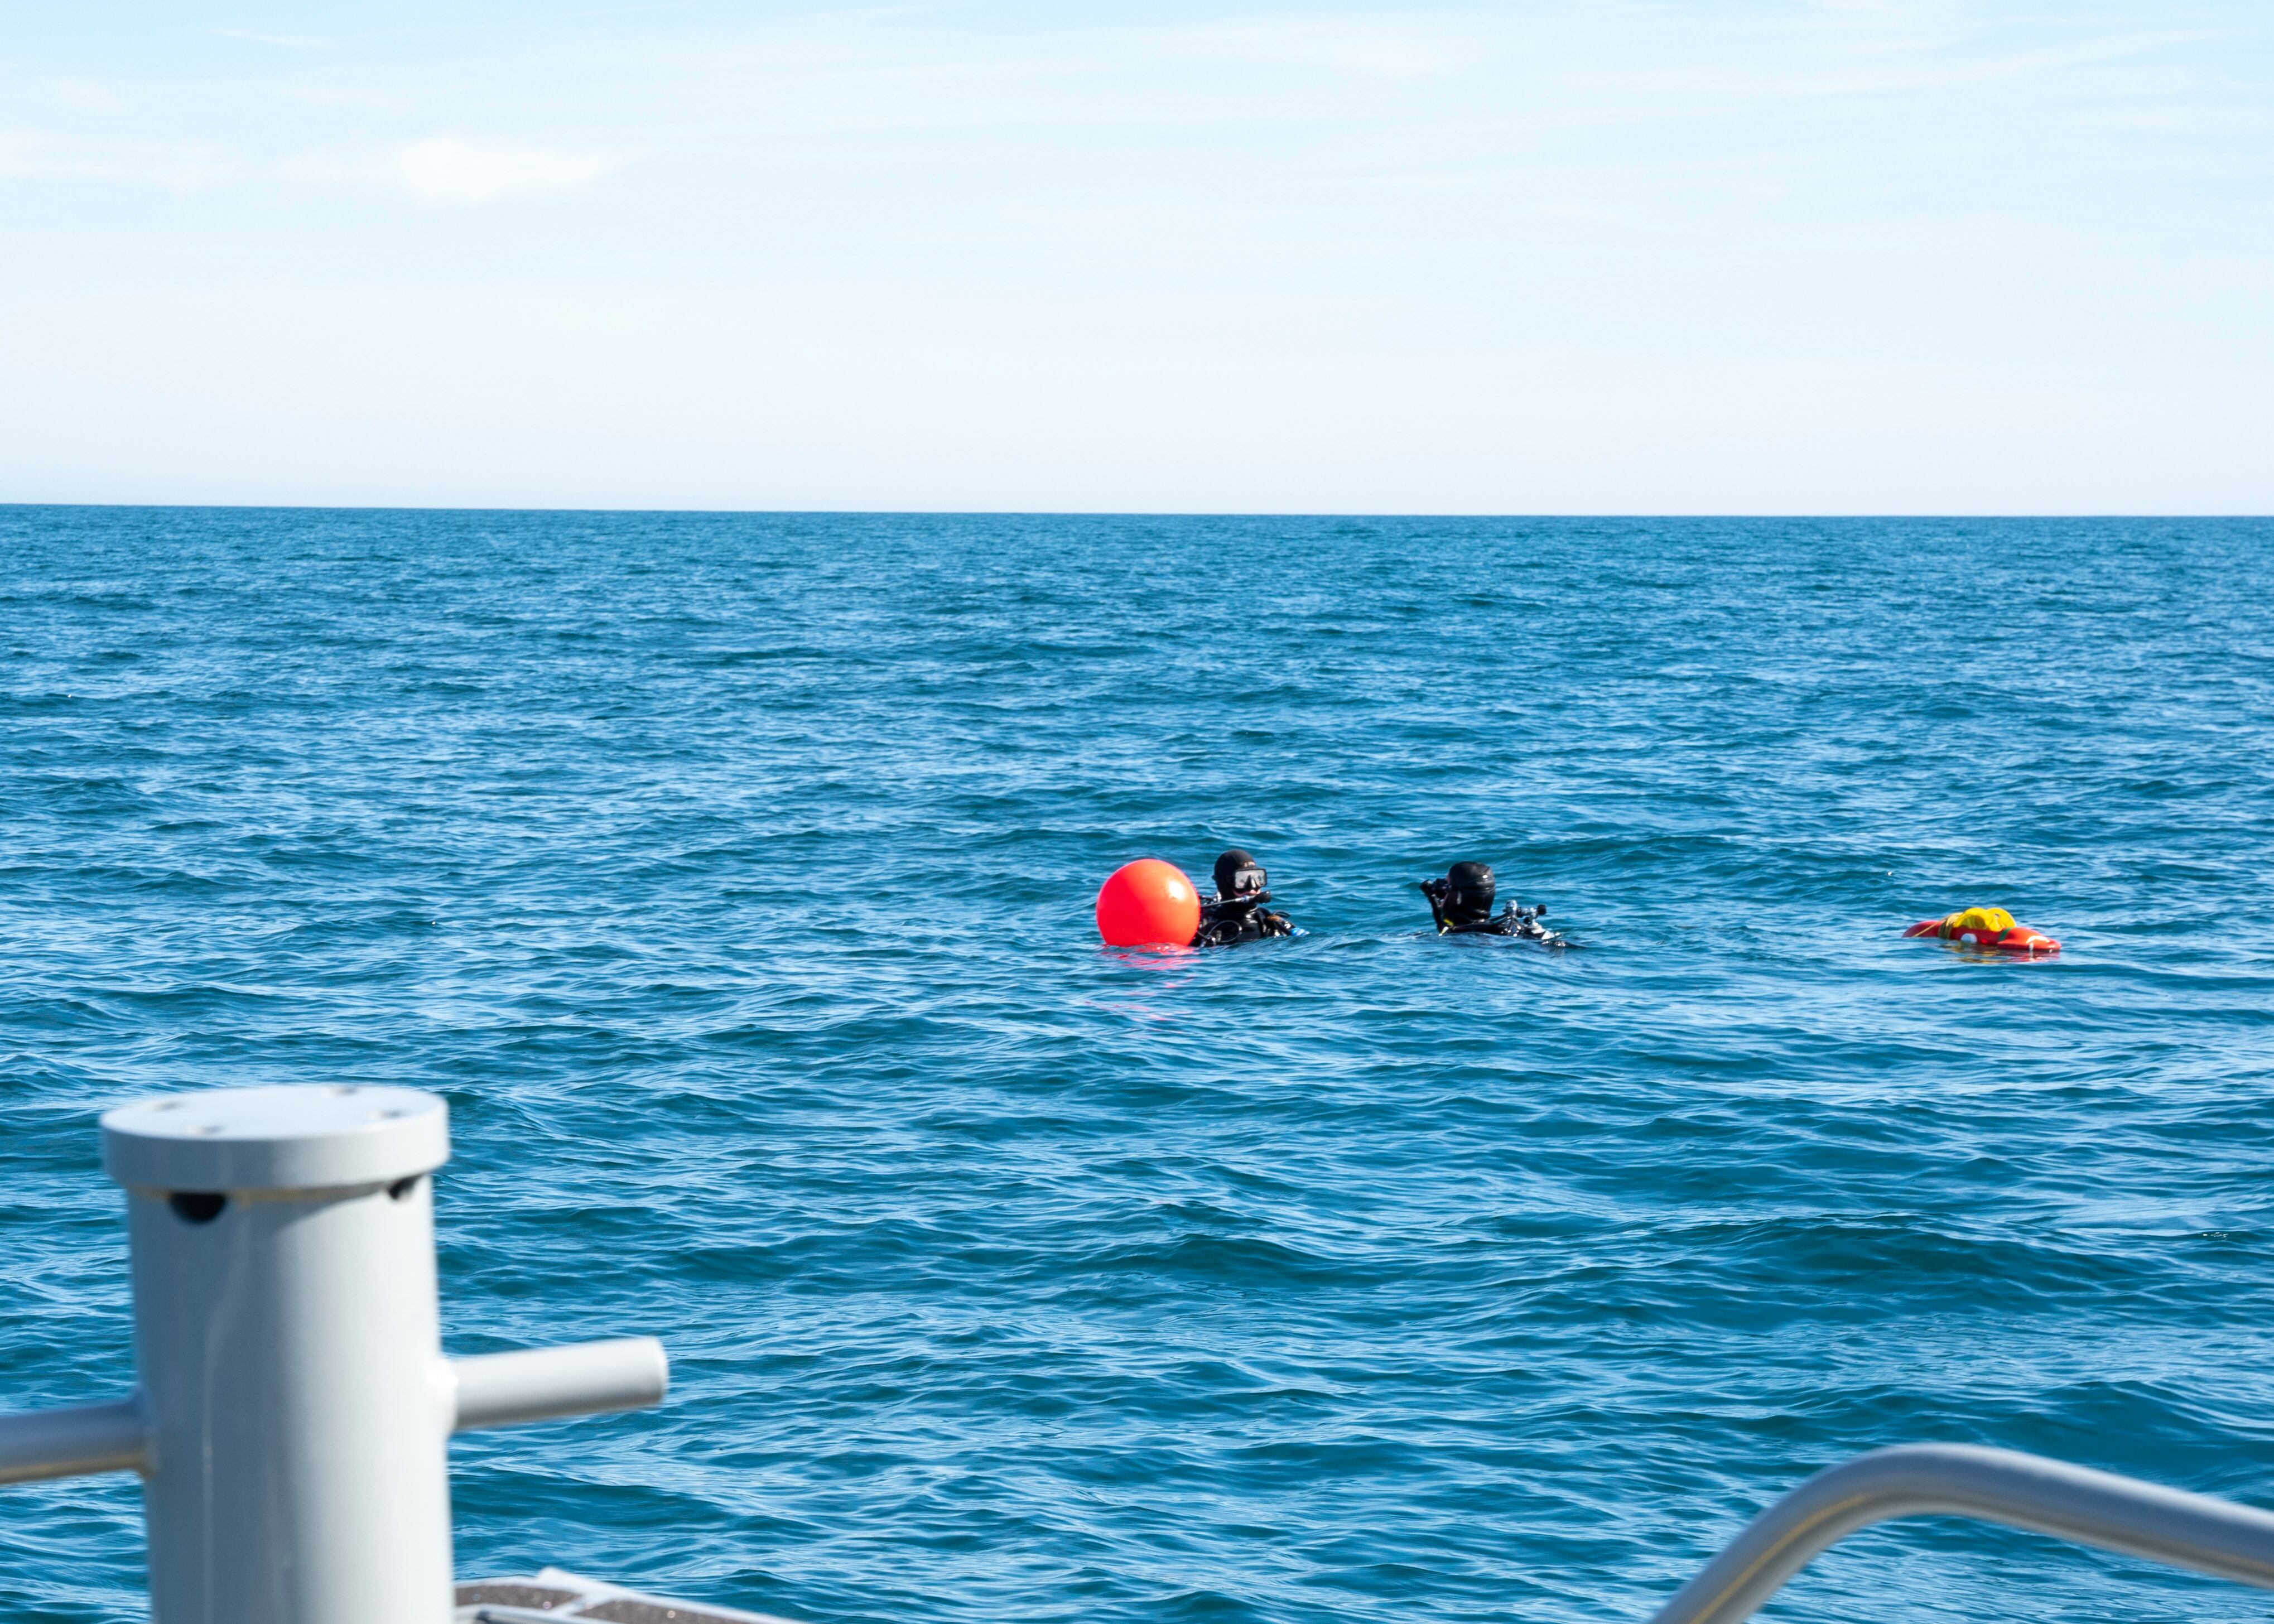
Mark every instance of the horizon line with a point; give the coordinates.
(1109, 513)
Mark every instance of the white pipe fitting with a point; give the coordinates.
(583, 1378)
(73, 1443)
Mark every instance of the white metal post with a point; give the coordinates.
(286, 1333)
(295, 1409)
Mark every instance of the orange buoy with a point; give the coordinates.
(1985, 927)
(1148, 903)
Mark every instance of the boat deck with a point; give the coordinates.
(553, 1593)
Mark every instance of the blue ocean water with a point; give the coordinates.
(731, 876)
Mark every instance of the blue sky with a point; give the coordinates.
(1855, 257)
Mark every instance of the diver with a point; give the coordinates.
(1462, 903)
(1236, 912)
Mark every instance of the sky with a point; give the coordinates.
(1853, 256)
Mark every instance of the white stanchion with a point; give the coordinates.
(295, 1409)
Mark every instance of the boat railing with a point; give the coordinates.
(2072, 1502)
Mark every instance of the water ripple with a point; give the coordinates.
(731, 877)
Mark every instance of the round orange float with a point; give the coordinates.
(1148, 903)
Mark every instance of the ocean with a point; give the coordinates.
(731, 876)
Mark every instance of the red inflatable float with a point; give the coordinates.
(1148, 903)
(1985, 927)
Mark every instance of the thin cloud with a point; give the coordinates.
(166, 166)
(444, 170)
(287, 41)
(82, 96)
(1363, 46)
(448, 171)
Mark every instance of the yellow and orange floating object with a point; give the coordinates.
(1991, 927)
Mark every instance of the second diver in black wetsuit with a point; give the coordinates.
(1462, 902)
(1236, 912)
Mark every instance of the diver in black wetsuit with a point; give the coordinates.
(1236, 912)
(1461, 903)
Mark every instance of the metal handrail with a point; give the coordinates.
(1996, 1485)
(73, 1443)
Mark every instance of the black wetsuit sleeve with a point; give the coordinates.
(1222, 925)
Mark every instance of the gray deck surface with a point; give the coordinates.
(553, 1593)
